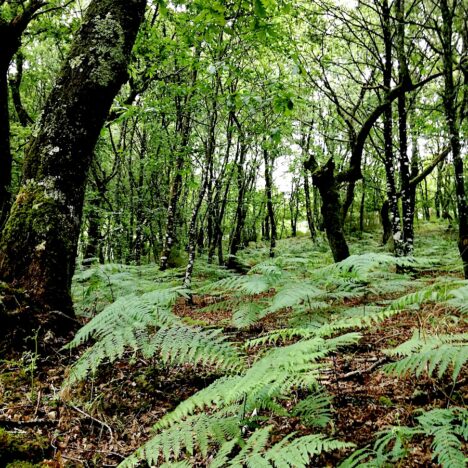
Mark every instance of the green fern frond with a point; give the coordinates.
(270, 270)
(273, 375)
(362, 265)
(426, 354)
(252, 447)
(182, 344)
(297, 454)
(442, 424)
(292, 294)
(248, 313)
(314, 410)
(146, 324)
(248, 284)
(459, 298)
(131, 311)
(196, 433)
(446, 427)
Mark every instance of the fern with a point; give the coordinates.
(146, 324)
(426, 354)
(458, 298)
(314, 410)
(447, 428)
(196, 433)
(248, 313)
(272, 377)
(182, 344)
(296, 454)
(289, 452)
(293, 294)
(249, 284)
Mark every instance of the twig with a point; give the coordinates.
(364, 371)
(32, 422)
(39, 395)
(104, 424)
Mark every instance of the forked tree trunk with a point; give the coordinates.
(325, 181)
(39, 242)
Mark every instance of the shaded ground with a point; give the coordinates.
(117, 410)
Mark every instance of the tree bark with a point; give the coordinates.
(10, 38)
(324, 180)
(15, 85)
(5, 152)
(388, 134)
(236, 237)
(269, 200)
(405, 175)
(453, 125)
(310, 217)
(39, 242)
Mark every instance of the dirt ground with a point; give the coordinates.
(105, 419)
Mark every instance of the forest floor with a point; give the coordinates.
(109, 416)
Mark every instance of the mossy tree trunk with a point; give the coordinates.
(10, 39)
(39, 242)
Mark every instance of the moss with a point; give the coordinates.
(21, 450)
(385, 401)
(23, 464)
(177, 258)
(109, 45)
(38, 210)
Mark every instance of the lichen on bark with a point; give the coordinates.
(39, 243)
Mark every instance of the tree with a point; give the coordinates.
(39, 243)
(454, 115)
(15, 17)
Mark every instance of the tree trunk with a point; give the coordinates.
(362, 206)
(39, 242)
(10, 38)
(325, 181)
(93, 247)
(310, 217)
(183, 128)
(15, 85)
(405, 175)
(5, 152)
(193, 236)
(453, 125)
(236, 236)
(386, 223)
(269, 201)
(388, 135)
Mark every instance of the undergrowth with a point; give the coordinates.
(320, 310)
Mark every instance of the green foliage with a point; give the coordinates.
(262, 386)
(146, 324)
(227, 419)
(195, 433)
(314, 410)
(446, 427)
(425, 354)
